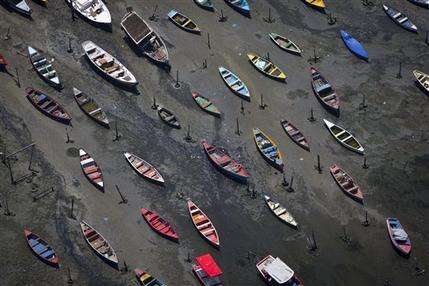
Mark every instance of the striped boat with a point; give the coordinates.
(400, 19)
(44, 68)
(91, 170)
(203, 224)
(234, 83)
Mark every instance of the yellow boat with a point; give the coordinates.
(318, 4)
(266, 67)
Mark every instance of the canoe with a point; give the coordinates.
(266, 67)
(234, 83)
(90, 107)
(99, 244)
(317, 4)
(145, 279)
(41, 248)
(354, 46)
(346, 183)
(295, 134)
(93, 10)
(203, 224)
(285, 44)
(268, 149)
(205, 4)
(168, 117)
(144, 169)
(108, 65)
(145, 38)
(91, 170)
(19, 6)
(220, 158)
(275, 272)
(400, 19)
(44, 68)
(344, 137)
(280, 212)
(159, 225)
(422, 3)
(48, 106)
(205, 104)
(241, 6)
(183, 22)
(422, 79)
(399, 238)
(325, 92)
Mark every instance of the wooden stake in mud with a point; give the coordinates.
(331, 19)
(345, 236)
(154, 105)
(204, 63)
(268, 56)
(242, 108)
(311, 118)
(7, 212)
(366, 221)
(70, 50)
(188, 258)
(68, 137)
(69, 280)
(290, 188)
(222, 18)
(125, 269)
(315, 58)
(177, 84)
(71, 208)
(313, 236)
(262, 105)
(7, 36)
(117, 135)
(365, 166)
(363, 105)
(285, 183)
(238, 128)
(123, 199)
(318, 167)
(208, 41)
(399, 75)
(18, 82)
(154, 16)
(188, 136)
(269, 19)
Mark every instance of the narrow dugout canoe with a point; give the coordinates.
(241, 6)
(41, 248)
(285, 44)
(91, 170)
(44, 68)
(280, 212)
(159, 225)
(90, 107)
(325, 92)
(144, 169)
(268, 149)
(346, 183)
(48, 106)
(354, 45)
(266, 67)
(399, 238)
(295, 134)
(145, 279)
(203, 224)
(422, 79)
(93, 10)
(205, 104)
(168, 117)
(344, 137)
(99, 244)
(400, 19)
(183, 22)
(205, 4)
(234, 83)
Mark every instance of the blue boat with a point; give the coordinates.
(205, 4)
(239, 5)
(422, 3)
(354, 46)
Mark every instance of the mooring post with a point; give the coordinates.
(125, 269)
(284, 181)
(311, 118)
(117, 135)
(262, 105)
(365, 166)
(154, 105)
(208, 41)
(70, 50)
(153, 17)
(123, 199)
(177, 84)
(68, 137)
(71, 208)
(4, 154)
(290, 188)
(313, 236)
(7, 37)
(318, 167)
(12, 180)
(204, 63)
(366, 221)
(399, 75)
(315, 56)
(188, 258)
(238, 128)
(268, 56)
(7, 212)
(363, 105)
(18, 82)
(188, 136)
(222, 18)
(345, 237)
(242, 108)
(69, 280)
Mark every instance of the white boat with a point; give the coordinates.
(94, 10)
(344, 137)
(108, 64)
(275, 272)
(20, 6)
(280, 212)
(44, 68)
(422, 79)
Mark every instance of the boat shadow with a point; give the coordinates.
(105, 27)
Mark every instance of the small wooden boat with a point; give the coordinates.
(108, 65)
(268, 148)
(421, 3)
(324, 92)
(93, 10)
(317, 4)
(148, 42)
(344, 137)
(44, 68)
(205, 4)
(280, 212)
(19, 6)
(234, 83)
(48, 106)
(285, 44)
(422, 79)
(144, 169)
(168, 117)
(90, 108)
(266, 67)
(205, 104)
(295, 135)
(159, 225)
(99, 244)
(41, 248)
(183, 22)
(354, 45)
(346, 183)
(241, 6)
(203, 224)
(275, 272)
(145, 279)
(91, 170)
(207, 271)
(399, 238)
(400, 19)
(220, 158)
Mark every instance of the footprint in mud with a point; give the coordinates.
(72, 152)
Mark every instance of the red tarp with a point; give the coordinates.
(208, 264)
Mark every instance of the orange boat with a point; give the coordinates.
(203, 224)
(91, 170)
(159, 225)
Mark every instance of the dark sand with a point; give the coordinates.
(393, 129)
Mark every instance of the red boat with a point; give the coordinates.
(203, 224)
(207, 271)
(224, 163)
(91, 170)
(159, 225)
(346, 183)
(41, 248)
(399, 238)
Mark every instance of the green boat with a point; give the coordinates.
(205, 104)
